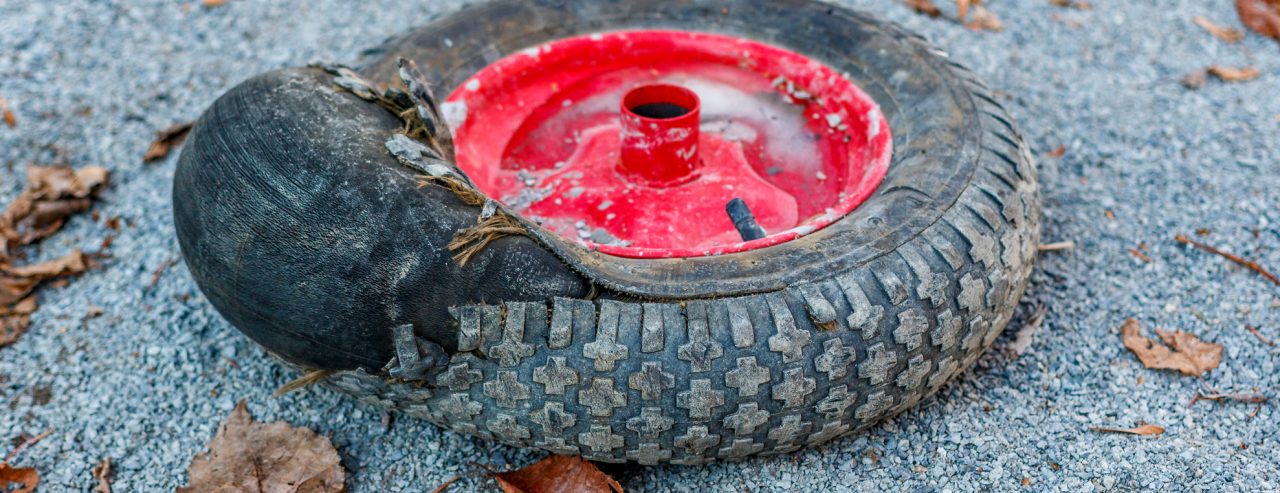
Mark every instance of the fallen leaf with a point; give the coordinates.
(962, 7)
(925, 7)
(102, 473)
(7, 114)
(1144, 429)
(52, 193)
(165, 140)
(1058, 151)
(558, 474)
(17, 282)
(1141, 256)
(1071, 4)
(1231, 74)
(1184, 352)
(1022, 340)
(257, 457)
(1227, 34)
(15, 320)
(67, 265)
(984, 20)
(1262, 16)
(18, 479)
(213, 3)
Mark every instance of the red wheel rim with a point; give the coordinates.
(632, 143)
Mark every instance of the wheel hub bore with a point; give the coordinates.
(655, 144)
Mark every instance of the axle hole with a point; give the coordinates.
(660, 102)
(660, 111)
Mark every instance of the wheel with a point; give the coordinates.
(305, 225)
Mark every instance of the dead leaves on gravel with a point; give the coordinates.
(1177, 350)
(6, 114)
(247, 456)
(1262, 16)
(102, 474)
(558, 474)
(165, 140)
(52, 194)
(18, 479)
(983, 19)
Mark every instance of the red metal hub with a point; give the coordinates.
(635, 142)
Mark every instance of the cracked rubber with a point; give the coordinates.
(307, 235)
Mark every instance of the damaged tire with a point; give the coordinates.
(306, 233)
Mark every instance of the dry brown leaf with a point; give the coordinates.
(52, 193)
(213, 3)
(13, 289)
(1184, 352)
(1231, 74)
(1230, 35)
(1071, 4)
(17, 282)
(1262, 16)
(67, 265)
(265, 457)
(18, 479)
(15, 320)
(962, 8)
(558, 474)
(63, 182)
(102, 473)
(925, 7)
(1144, 429)
(170, 137)
(984, 20)
(7, 114)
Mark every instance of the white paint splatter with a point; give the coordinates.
(454, 113)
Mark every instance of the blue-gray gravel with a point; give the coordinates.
(148, 382)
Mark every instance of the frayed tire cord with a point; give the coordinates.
(468, 242)
(683, 361)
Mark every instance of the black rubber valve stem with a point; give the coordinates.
(743, 220)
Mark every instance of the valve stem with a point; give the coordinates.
(743, 220)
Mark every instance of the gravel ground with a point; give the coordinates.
(148, 382)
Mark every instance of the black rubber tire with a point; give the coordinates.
(307, 235)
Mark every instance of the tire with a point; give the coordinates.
(308, 236)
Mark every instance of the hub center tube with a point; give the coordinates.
(660, 135)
